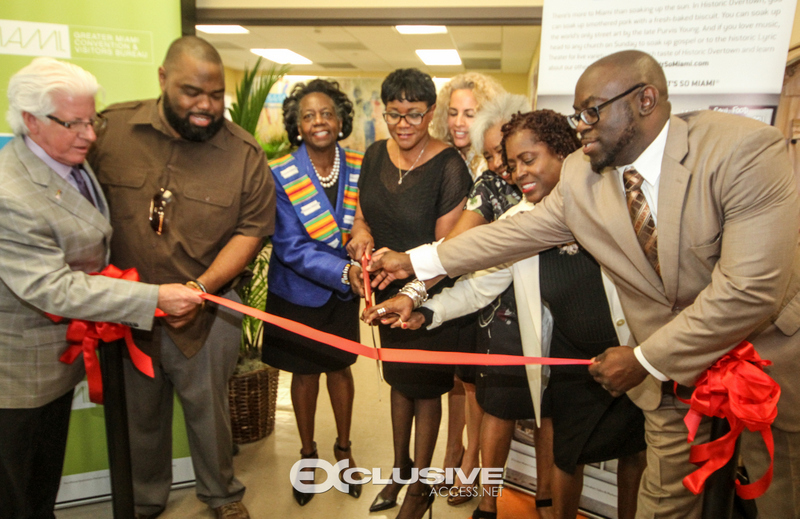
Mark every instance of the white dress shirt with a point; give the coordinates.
(648, 164)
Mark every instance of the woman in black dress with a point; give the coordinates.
(412, 191)
(589, 425)
(311, 280)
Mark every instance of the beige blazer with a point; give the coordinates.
(478, 289)
(50, 236)
(727, 244)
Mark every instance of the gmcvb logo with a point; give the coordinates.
(340, 476)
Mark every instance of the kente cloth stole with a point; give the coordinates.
(294, 172)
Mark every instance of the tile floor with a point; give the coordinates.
(264, 466)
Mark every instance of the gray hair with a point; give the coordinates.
(498, 110)
(31, 89)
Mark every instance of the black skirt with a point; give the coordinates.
(590, 425)
(467, 342)
(291, 352)
(502, 391)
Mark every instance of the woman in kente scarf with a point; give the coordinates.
(311, 279)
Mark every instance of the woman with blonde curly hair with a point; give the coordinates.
(456, 105)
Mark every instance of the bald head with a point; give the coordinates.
(627, 92)
(193, 47)
(633, 66)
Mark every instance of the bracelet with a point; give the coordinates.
(346, 274)
(198, 285)
(416, 291)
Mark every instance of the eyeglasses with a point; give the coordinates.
(157, 210)
(98, 123)
(413, 118)
(591, 115)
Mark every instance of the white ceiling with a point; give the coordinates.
(484, 48)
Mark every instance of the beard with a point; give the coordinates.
(186, 129)
(609, 157)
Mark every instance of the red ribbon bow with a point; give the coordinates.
(83, 337)
(736, 388)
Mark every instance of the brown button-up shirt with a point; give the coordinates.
(220, 188)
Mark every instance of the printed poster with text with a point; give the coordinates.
(727, 55)
(122, 44)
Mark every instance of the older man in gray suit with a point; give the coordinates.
(709, 258)
(54, 231)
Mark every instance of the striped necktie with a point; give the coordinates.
(83, 187)
(643, 223)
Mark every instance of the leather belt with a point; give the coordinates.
(668, 388)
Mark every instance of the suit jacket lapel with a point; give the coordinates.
(673, 183)
(60, 192)
(614, 211)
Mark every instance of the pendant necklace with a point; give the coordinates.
(400, 171)
(331, 179)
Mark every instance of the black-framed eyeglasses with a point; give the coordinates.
(158, 205)
(98, 123)
(591, 115)
(412, 118)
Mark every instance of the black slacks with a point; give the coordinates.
(32, 447)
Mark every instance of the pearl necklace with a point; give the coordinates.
(331, 179)
(400, 171)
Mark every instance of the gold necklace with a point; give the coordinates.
(400, 171)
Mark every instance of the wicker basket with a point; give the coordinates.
(252, 397)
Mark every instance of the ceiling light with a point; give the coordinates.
(421, 29)
(439, 56)
(282, 56)
(222, 29)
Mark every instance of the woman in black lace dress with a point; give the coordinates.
(412, 191)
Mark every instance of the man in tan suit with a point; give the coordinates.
(54, 230)
(715, 262)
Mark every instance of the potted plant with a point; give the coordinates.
(253, 389)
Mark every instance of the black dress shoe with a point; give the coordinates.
(482, 514)
(381, 503)
(341, 453)
(303, 498)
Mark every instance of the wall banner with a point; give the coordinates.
(727, 54)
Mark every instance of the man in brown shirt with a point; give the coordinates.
(191, 200)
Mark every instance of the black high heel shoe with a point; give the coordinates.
(381, 503)
(341, 453)
(482, 514)
(428, 493)
(303, 498)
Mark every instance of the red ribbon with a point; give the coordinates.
(735, 388)
(367, 285)
(391, 355)
(83, 337)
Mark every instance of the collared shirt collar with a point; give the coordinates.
(648, 164)
(149, 114)
(62, 169)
